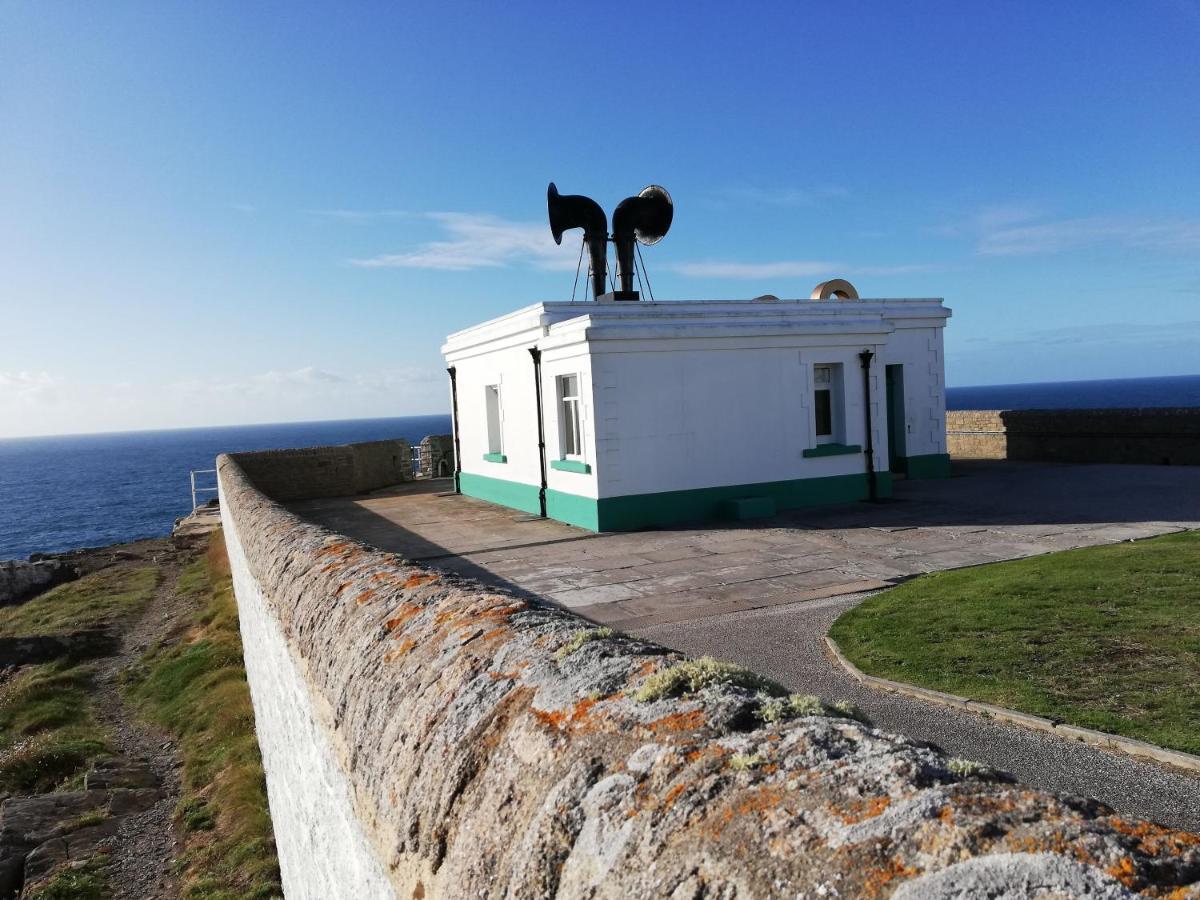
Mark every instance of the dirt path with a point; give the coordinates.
(145, 846)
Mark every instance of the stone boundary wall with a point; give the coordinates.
(425, 736)
(313, 472)
(1146, 436)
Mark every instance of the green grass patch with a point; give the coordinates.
(196, 688)
(102, 598)
(1103, 637)
(48, 735)
(89, 882)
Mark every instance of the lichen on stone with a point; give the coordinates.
(772, 710)
(694, 675)
(742, 762)
(966, 768)
(581, 637)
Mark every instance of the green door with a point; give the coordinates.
(895, 419)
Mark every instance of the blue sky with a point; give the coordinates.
(225, 213)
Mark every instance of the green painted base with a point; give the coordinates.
(672, 507)
(831, 450)
(495, 457)
(496, 490)
(931, 465)
(570, 465)
(676, 507)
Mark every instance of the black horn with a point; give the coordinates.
(569, 211)
(645, 218)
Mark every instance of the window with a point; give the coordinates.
(495, 438)
(827, 403)
(569, 429)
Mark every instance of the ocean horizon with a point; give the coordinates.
(60, 493)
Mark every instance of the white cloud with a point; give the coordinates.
(1069, 234)
(41, 403)
(1021, 229)
(480, 240)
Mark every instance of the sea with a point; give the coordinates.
(62, 493)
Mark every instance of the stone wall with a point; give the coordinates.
(425, 736)
(1147, 436)
(340, 471)
(437, 456)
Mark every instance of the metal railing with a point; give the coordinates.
(202, 489)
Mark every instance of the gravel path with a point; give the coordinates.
(785, 643)
(145, 845)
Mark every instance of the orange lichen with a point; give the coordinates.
(672, 795)
(878, 879)
(365, 596)
(559, 719)
(415, 581)
(406, 612)
(401, 649)
(1124, 871)
(861, 810)
(680, 721)
(1154, 839)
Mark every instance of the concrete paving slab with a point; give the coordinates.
(989, 511)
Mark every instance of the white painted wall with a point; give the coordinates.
(689, 395)
(920, 351)
(323, 852)
(694, 417)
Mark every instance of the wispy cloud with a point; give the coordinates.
(1069, 234)
(480, 240)
(44, 403)
(1100, 335)
(246, 209)
(1025, 229)
(791, 268)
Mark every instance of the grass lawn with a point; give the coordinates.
(102, 598)
(1104, 637)
(196, 688)
(48, 735)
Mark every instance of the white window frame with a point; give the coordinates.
(837, 402)
(495, 439)
(574, 403)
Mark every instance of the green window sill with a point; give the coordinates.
(495, 457)
(570, 465)
(832, 450)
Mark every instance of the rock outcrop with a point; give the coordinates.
(21, 580)
(493, 746)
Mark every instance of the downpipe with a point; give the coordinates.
(872, 488)
(541, 426)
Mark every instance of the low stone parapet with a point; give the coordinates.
(1145, 436)
(312, 472)
(426, 736)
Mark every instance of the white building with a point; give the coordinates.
(623, 415)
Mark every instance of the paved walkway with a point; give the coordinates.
(785, 644)
(995, 511)
(763, 593)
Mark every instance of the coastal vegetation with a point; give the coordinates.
(48, 732)
(195, 687)
(103, 598)
(1104, 637)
